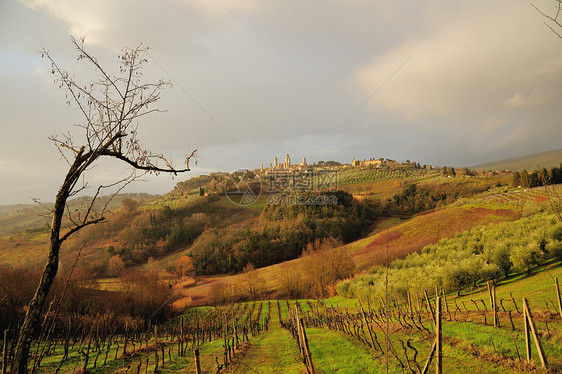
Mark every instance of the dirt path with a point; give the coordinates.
(272, 352)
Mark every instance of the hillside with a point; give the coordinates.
(17, 218)
(236, 254)
(546, 159)
(402, 238)
(223, 237)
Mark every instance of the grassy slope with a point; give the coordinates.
(538, 288)
(19, 217)
(495, 345)
(32, 246)
(422, 230)
(116, 363)
(403, 238)
(272, 352)
(489, 341)
(382, 190)
(28, 246)
(467, 348)
(546, 159)
(335, 352)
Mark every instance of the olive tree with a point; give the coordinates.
(110, 108)
(526, 257)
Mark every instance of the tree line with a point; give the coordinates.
(416, 198)
(286, 232)
(537, 178)
(483, 253)
(136, 298)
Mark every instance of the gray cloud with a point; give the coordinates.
(282, 76)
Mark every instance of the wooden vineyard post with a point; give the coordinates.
(126, 336)
(446, 304)
(490, 294)
(558, 296)
(496, 319)
(303, 342)
(5, 353)
(181, 338)
(236, 335)
(493, 305)
(310, 365)
(225, 342)
(527, 334)
(409, 303)
(197, 362)
(438, 337)
(295, 317)
(156, 348)
(436, 348)
(427, 300)
(529, 324)
(429, 358)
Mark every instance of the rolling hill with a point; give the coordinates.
(222, 237)
(546, 159)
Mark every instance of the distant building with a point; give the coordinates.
(287, 163)
(372, 161)
(285, 166)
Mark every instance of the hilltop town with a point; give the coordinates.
(377, 163)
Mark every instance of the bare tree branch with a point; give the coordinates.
(553, 19)
(110, 106)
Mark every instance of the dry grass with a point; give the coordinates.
(26, 248)
(381, 190)
(424, 229)
(403, 238)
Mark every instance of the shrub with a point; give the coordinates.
(481, 254)
(526, 257)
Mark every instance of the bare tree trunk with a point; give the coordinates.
(34, 312)
(104, 127)
(35, 307)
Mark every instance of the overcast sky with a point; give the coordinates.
(439, 82)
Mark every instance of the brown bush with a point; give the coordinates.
(325, 263)
(181, 305)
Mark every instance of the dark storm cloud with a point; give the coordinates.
(283, 76)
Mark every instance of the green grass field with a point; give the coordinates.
(468, 347)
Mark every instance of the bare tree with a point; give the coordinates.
(555, 200)
(553, 195)
(326, 261)
(111, 107)
(253, 281)
(553, 22)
